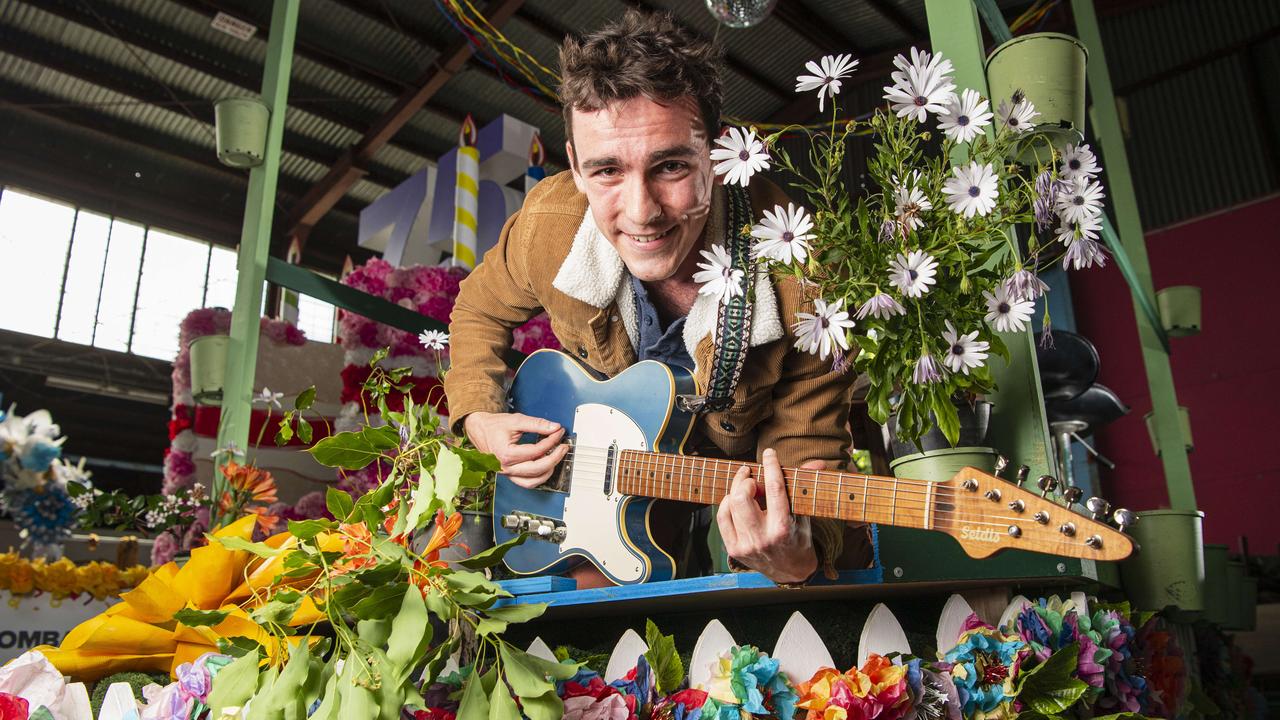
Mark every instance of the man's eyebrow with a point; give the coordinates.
(677, 151)
(601, 162)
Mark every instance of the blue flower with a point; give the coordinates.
(639, 683)
(983, 666)
(39, 455)
(46, 515)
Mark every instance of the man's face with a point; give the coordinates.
(645, 168)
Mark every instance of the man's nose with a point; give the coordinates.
(640, 203)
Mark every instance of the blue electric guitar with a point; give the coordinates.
(627, 433)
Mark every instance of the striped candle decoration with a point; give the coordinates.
(537, 156)
(467, 197)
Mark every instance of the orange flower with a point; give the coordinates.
(357, 548)
(257, 484)
(446, 530)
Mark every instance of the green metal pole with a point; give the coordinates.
(255, 241)
(1155, 354)
(1019, 428)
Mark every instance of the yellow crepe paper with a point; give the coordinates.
(140, 634)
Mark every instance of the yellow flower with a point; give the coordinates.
(58, 578)
(22, 579)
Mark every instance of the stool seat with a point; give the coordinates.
(1068, 367)
(1096, 407)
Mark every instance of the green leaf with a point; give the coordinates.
(339, 503)
(1050, 688)
(304, 430)
(420, 501)
(346, 450)
(383, 602)
(305, 399)
(234, 543)
(279, 610)
(1116, 716)
(448, 475)
(547, 706)
(410, 631)
(287, 689)
(191, 617)
(307, 529)
(284, 434)
(381, 438)
(517, 613)
(501, 705)
(474, 705)
(439, 606)
(234, 684)
(489, 626)
(492, 556)
(41, 713)
(668, 670)
(1057, 700)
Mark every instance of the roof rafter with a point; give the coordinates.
(804, 23)
(896, 17)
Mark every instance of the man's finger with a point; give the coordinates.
(518, 453)
(535, 472)
(776, 503)
(728, 533)
(528, 423)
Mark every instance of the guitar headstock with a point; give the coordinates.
(987, 514)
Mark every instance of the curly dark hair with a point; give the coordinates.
(642, 55)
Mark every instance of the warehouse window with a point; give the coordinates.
(99, 280)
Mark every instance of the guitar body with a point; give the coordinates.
(636, 410)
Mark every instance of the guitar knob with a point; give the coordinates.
(1094, 541)
(1002, 463)
(1024, 471)
(510, 522)
(1072, 494)
(1124, 518)
(1047, 484)
(1098, 507)
(993, 495)
(1015, 531)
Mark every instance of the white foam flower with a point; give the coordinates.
(1079, 199)
(782, 234)
(881, 306)
(718, 276)
(824, 328)
(909, 203)
(964, 352)
(920, 86)
(913, 273)
(740, 154)
(1077, 161)
(268, 398)
(433, 339)
(826, 76)
(964, 116)
(1017, 115)
(971, 190)
(1007, 313)
(1068, 232)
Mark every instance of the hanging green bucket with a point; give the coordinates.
(1217, 602)
(208, 368)
(1049, 68)
(241, 131)
(942, 465)
(1168, 570)
(1179, 310)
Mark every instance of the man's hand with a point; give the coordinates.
(770, 541)
(528, 465)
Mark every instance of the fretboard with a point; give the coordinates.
(818, 493)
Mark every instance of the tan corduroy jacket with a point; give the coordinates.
(551, 256)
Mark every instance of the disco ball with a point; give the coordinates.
(740, 13)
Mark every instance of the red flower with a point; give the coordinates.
(692, 699)
(13, 707)
(434, 714)
(595, 687)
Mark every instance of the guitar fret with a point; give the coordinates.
(865, 480)
(893, 505)
(815, 492)
(928, 516)
(839, 491)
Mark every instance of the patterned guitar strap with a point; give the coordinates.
(733, 325)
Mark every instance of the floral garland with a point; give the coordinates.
(64, 579)
(34, 479)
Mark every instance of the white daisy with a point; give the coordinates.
(881, 306)
(963, 351)
(926, 371)
(1084, 253)
(965, 116)
(782, 234)
(913, 274)
(972, 190)
(433, 339)
(920, 86)
(266, 397)
(826, 79)
(1018, 114)
(816, 332)
(909, 202)
(718, 277)
(1006, 313)
(1077, 161)
(1079, 199)
(1089, 227)
(741, 155)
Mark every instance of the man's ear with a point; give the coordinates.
(573, 165)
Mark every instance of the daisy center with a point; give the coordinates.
(824, 323)
(743, 156)
(1078, 200)
(962, 120)
(828, 79)
(1013, 121)
(913, 275)
(788, 236)
(1003, 308)
(921, 101)
(974, 191)
(1074, 164)
(957, 349)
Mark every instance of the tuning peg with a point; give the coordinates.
(1002, 463)
(1124, 518)
(1098, 507)
(1072, 494)
(1024, 471)
(1047, 484)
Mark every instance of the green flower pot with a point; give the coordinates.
(1049, 68)
(241, 131)
(942, 465)
(208, 368)
(1168, 569)
(1179, 310)
(1217, 602)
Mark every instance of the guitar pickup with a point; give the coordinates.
(539, 528)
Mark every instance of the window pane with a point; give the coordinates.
(84, 276)
(315, 318)
(34, 233)
(173, 277)
(119, 286)
(222, 279)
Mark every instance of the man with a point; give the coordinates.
(609, 250)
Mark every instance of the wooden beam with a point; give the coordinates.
(342, 175)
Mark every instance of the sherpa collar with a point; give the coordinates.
(593, 272)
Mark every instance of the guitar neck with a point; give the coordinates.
(817, 493)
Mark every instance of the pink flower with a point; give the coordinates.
(165, 547)
(312, 505)
(180, 465)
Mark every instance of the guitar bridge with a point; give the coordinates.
(539, 528)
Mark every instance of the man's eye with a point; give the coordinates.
(607, 172)
(674, 166)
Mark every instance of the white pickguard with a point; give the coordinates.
(590, 515)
